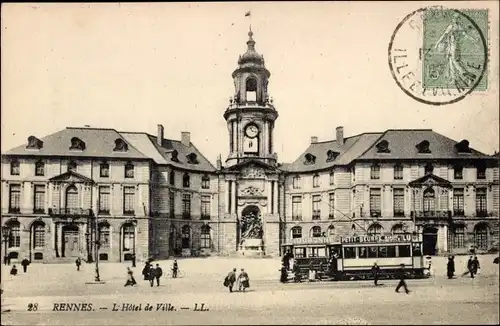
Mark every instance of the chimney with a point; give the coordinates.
(314, 139)
(186, 138)
(340, 136)
(219, 162)
(159, 139)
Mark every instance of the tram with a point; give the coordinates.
(352, 258)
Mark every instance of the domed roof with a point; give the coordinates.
(251, 56)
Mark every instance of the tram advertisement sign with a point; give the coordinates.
(319, 240)
(380, 238)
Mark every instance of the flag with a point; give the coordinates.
(248, 14)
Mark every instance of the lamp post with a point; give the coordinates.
(97, 243)
(133, 244)
(5, 235)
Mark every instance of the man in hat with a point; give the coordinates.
(401, 275)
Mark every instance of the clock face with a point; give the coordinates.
(252, 131)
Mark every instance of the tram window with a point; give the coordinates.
(321, 252)
(335, 251)
(300, 252)
(391, 251)
(382, 252)
(416, 249)
(404, 251)
(349, 252)
(362, 252)
(372, 252)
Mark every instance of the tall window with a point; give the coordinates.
(128, 237)
(316, 181)
(429, 168)
(398, 172)
(296, 208)
(128, 200)
(331, 204)
(459, 237)
(481, 236)
(171, 202)
(375, 229)
(129, 170)
(39, 235)
(375, 202)
(316, 232)
(186, 206)
(39, 169)
(481, 172)
(205, 237)
(481, 206)
(104, 170)
(331, 231)
(104, 235)
(15, 168)
(296, 182)
(15, 198)
(429, 202)
(458, 172)
(296, 232)
(316, 210)
(205, 207)
(72, 166)
(71, 198)
(375, 172)
(205, 182)
(185, 180)
(332, 178)
(39, 204)
(186, 237)
(104, 199)
(15, 234)
(231, 138)
(171, 177)
(458, 202)
(399, 201)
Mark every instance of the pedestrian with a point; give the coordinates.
(284, 274)
(130, 278)
(158, 272)
(133, 260)
(375, 272)
(451, 267)
(230, 279)
(243, 281)
(475, 265)
(175, 269)
(470, 267)
(145, 270)
(25, 264)
(13, 271)
(78, 263)
(401, 275)
(151, 275)
(296, 273)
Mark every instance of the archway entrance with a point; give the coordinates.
(71, 240)
(429, 241)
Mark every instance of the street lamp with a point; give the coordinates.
(6, 236)
(133, 244)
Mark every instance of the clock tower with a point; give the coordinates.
(251, 114)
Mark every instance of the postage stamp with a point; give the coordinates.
(454, 53)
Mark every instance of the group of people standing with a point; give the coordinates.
(242, 279)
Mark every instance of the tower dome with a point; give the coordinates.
(251, 56)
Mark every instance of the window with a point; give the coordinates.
(185, 180)
(72, 166)
(481, 236)
(15, 198)
(296, 232)
(128, 237)
(316, 181)
(299, 252)
(331, 203)
(481, 172)
(399, 202)
(296, 182)
(459, 237)
(429, 202)
(104, 170)
(71, 198)
(205, 182)
(39, 235)
(398, 172)
(205, 207)
(458, 202)
(171, 177)
(120, 145)
(205, 237)
(423, 147)
(15, 234)
(316, 231)
(362, 252)
(316, 213)
(404, 251)
(39, 204)
(77, 144)
(429, 168)
(186, 206)
(332, 178)
(296, 208)
(104, 196)
(15, 168)
(104, 235)
(458, 172)
(383, 147)
(397, 229)
(39, 169)
(375, 229)
(186, 237)
(128, 200)
(310, 159)
(481, 207)
(171, 201)
(349, 252)
(375, 203)
(375, 172)
(129, 171)
(331, 231)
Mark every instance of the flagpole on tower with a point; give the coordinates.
(249, 15)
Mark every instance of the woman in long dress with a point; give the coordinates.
(243, 281)
(130, 278)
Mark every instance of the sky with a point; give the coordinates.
(133, 66)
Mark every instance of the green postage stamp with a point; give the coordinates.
(455, 48)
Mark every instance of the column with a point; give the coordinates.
(275, 197)
(234, 131)
(269, 194)
(445, 238)
(226, 204)
(265, 139)
(233, 201)
(59, 239)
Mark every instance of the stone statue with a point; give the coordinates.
(251, 227)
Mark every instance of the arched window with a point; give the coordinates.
(72, 166)
(429, 202)
(296, 232)
(104, 235)
(205, 182)
(39, 235)
(331, 231)
(316, 180)
(128, 241)
(71, 198)
(251, 89)
(39, 168)
(171, 177)
(375, 172)
(15, 167)
(316, 231)
(375, 229)
(185, 180)
(129, 170)
(481, 236)
(205, 236)
(397, 229)
(15, 234)
(186, 237)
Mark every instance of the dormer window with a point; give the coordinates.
(423, 147)
(34, 143)
(129, 170)
(174, 156)
(383, 147)
(39, 169)
(331, 155)
(192, 158)
(77, 144)
(120, 145)
(429, 168)
(104, 170)
(72, 166)
(458, 172)
(186, 180)
(316, 180)
(463, 146)
(310, 159)
(15, 168)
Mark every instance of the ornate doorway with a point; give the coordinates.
(430, 241)
(71, 241)
(251, 230)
